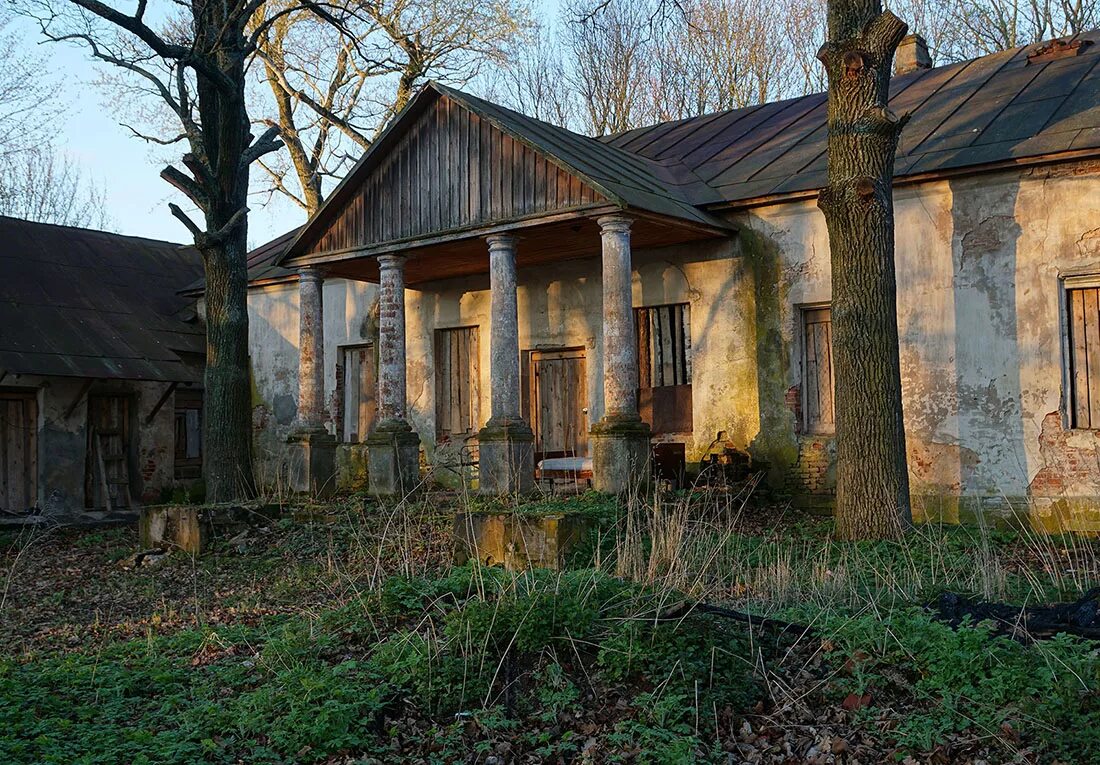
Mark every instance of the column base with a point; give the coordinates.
(393, 459)
(311, 462)
(620, 454)
(506, 458)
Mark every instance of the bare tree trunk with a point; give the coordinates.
(227, 426)
(872, 477)
(227, 421)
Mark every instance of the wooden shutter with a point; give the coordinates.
(664, 367)
(1084, 343)
(457, 382)
(360, 392)
(818, 357)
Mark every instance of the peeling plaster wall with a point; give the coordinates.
(62, 442)
(981, 321)
(980, 262)
(350, 310)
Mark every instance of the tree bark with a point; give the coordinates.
(227, 425)
(872, 476)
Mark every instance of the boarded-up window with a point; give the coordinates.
(664, 367)
(188, 434)
(457, 382)
(360, 387)
(817, 385)
(664, 345)
(1084, 362)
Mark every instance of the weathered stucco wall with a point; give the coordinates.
(62, 442)
(980, 263)
(561, 307)
(349, 308)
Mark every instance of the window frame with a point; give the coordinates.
(1067, 281)
(804, 309)
(687, 353)
(343, 351)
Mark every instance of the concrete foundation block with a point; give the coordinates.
(506, 461)
(517, 541)
(620, 455)
(192, 528)
(393, 459)
(179, 527)
(311, 463)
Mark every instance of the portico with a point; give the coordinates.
(460, 189)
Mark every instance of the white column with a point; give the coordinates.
(503, 330)
(620, 354)
(311, 350)
(391, 338)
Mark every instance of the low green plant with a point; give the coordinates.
(970, 680)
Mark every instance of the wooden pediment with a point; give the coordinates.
(442, 169)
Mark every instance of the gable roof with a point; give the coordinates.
(600, 174)
(995, 109)
(81, 303)
(974, 115)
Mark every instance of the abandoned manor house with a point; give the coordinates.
(101, 364)
(487, 301)
(487, 289)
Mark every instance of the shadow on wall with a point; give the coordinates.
(966, 432)
(273, 346)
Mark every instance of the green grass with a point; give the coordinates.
(356, 641)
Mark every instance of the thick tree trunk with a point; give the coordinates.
(872, 477)
(227, 423)
(227, 429)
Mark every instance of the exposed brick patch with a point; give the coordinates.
(814, 470)
(1071, 461)
(793, 399)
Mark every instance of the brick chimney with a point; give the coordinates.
(912, 55)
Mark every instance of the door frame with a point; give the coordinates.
(530, 359)
(30, 470)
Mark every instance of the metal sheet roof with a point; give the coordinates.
(81, 303)
(995, 109)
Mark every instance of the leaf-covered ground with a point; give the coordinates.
(355, 640)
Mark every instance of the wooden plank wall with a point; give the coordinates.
(18, 452)
(457, 383)
(450, 170)
(818, 348)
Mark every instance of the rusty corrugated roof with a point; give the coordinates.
(81, 303)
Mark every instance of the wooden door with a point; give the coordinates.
(360, 392)
(18, 452)
(107, 469)
(558, 403)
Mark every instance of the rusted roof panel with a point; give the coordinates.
(81, 303)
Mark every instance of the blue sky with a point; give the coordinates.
(124, 166)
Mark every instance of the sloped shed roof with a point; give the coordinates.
(81, 303)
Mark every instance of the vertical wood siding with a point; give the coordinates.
(457, 382)
(450, 170)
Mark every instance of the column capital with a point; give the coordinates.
(501, 242)
(311, 273)
(391, 261)
(617, 223)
